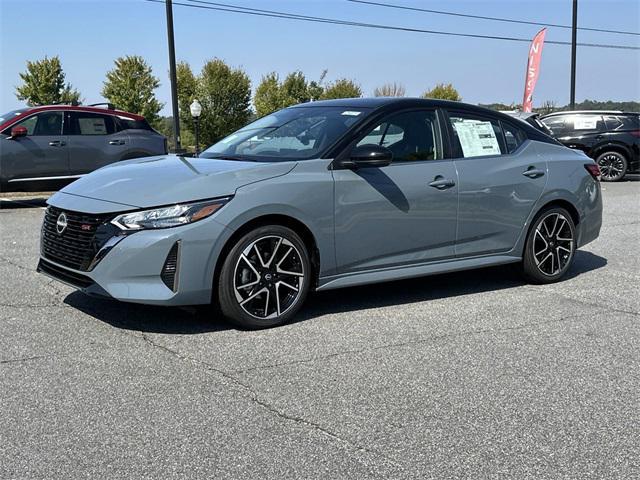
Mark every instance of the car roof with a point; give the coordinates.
(397, 102)
(83, 108)
(25, 112)
(591, 112)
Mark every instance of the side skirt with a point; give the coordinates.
(400, 273)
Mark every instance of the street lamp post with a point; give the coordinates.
(196, 110)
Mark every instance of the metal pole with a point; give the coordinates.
(173, 79)
(574, 37)
(197, 122)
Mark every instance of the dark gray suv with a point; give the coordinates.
(48, 147)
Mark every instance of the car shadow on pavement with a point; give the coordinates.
(194, 320)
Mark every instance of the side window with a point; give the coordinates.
(585, 123)
(612, 122)
(86, 123)
(475, 136)
(513, 137)
(410, 136)
(44, 123)
(556, 124)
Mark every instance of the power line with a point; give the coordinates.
(202, 4)
(495, 19)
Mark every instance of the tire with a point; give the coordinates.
(265, 278)
(550, 247)
(613, 166)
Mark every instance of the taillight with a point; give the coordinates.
(635, 133)
(594, 170)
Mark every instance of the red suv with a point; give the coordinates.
(45, 148)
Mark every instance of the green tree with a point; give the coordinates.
(44, 84)
(390, 90)
(267, 98)
(342, 88)
(224, 94)
(272, 95)
(130, 86)
(186, 87)
(443, 91)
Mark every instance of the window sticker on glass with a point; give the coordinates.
(585, 123)
(477, 138)
(351, 113)
(92, 126)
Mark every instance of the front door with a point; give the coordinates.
(401, 214)
(41, 156)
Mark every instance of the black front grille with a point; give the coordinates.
(77, 244)
(72, 278)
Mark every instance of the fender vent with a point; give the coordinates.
(169, 273)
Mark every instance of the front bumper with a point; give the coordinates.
(131, 270)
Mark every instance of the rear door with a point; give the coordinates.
(94, 142)
(501, 177)
(41, 155)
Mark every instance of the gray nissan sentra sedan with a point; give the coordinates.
(325, 195)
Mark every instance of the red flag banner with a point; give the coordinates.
(533, 69)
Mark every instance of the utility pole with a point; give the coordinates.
(574, 38)
(173, 79)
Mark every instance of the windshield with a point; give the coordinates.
(290, 134)
(9, 115)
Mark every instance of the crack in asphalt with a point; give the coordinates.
(387, 346)
(255, 398)
(25, 359)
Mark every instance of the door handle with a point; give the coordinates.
(116, 142)
(442, 183)
(532, 172)
(57, 143)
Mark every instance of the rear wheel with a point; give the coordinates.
(613, 166)
(265, 278)
(550, 247)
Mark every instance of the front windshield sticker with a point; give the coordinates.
(351, 113)
(477, 138)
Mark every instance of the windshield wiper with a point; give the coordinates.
(228, 157)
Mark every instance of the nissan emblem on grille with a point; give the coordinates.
(61, 223)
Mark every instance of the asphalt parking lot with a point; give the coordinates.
(468, 375)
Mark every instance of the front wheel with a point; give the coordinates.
(613, 166)
(265, 278)
(550, 247)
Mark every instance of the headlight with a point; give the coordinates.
(166, 217)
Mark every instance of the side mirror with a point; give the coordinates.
(366, 156)
(17, 132)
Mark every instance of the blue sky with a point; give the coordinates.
(89, 34)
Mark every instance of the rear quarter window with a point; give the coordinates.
(130, 124)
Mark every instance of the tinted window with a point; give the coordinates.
(513, 136)
(410, 136)
(622, 122)
(43, 123)
(556, 124)
(585, 123)
(85, 123)
(475, 136)
(126, 124)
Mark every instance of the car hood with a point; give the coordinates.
(152, 181)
